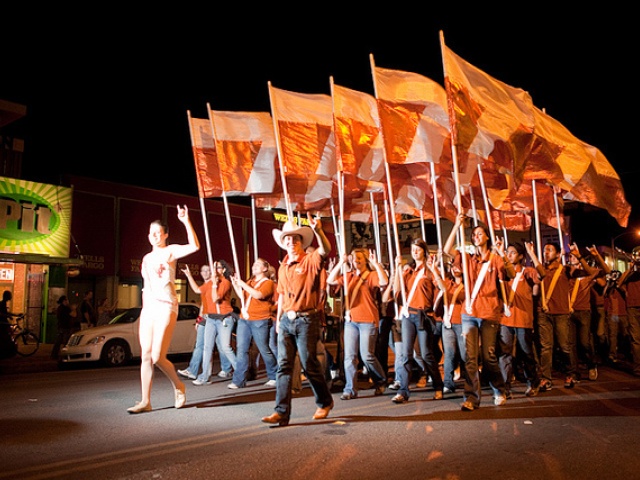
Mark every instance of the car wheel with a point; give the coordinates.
(115, 353)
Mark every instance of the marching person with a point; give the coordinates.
(417, 317)
(361, 317)
(256, 296)
(481, 316)
(160, 307)
(298, 320)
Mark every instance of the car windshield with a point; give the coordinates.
(128, 316)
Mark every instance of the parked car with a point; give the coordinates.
(117, 343)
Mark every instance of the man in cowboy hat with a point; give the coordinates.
(298, 320)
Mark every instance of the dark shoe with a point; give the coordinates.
(322, 412)
(380, 388)
(545, 386)
(531, 391)
(348, 396)
(276, 419)
(468, 406)
(569, 382)
(508, 395)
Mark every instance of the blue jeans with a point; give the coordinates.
(299, 335)
(273, 339)
(217, 332)
(360, 338)
(454, 350)
(196, 356)
(479, 333)
(560, 327)
(384, 342)
(522, 340)
(420, 326)
(258, 330)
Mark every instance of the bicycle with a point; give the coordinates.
(27, 343)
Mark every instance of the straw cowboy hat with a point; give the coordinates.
(289, 228)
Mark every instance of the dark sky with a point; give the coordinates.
(107, 92)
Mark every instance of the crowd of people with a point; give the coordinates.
(520, 320)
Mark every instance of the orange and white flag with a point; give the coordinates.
(358, 140)
(205, 158)
(247, 153)
(303, 123)
(413, 116)
(492, 123)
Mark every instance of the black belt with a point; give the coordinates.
(292, 314)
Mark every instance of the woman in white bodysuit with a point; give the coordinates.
(160, 307)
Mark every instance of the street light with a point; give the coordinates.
(613, 245)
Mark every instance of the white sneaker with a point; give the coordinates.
(187, 374)
(233, 386)
(270, 383)
(394, 386)
(223, 374)
(199, 382)
(499, 400)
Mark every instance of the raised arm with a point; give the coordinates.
(332, 278)
(192, 283)
(193, 244)
(575, 251)
(382, 274)
(324, 247)
(534, 258)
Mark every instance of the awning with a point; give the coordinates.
(36, 258)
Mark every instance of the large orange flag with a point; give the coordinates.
(415, 127)
(413, 116)
(600, 186)
(307, 154)
(205, 158)
(246, 148)
(575, 167)
(358, 141)
(492, 124)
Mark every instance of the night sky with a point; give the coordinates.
(107, 93)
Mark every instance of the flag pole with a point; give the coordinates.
(226, 203)
(456, 176)
(283, 178)
(536, 218)
(560, 238)
(436, 213)
(390, 192)
(202, 205)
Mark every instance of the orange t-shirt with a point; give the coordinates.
(299, 283)
(363, 305)
(260, 308)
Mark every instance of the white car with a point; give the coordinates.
(117, 343)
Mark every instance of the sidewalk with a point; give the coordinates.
(38, 362)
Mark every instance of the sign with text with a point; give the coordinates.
(34, 217)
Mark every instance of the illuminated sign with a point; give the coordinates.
(34, 217)
(282, 217)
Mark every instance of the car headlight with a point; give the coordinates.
(96, 340)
